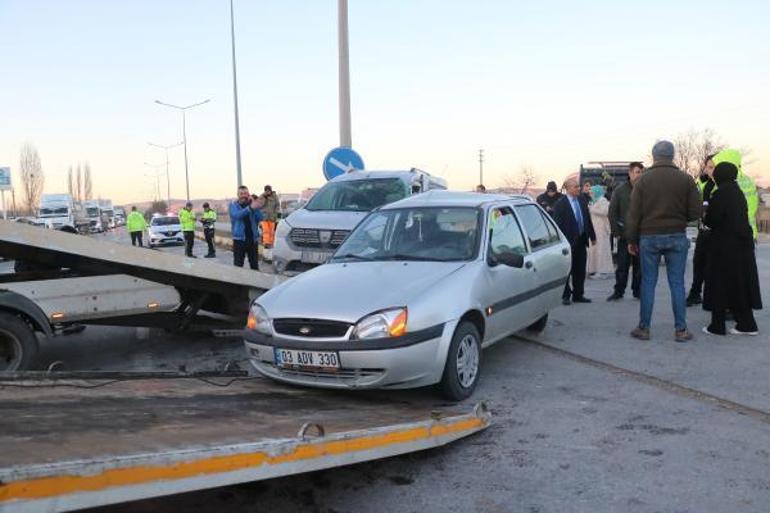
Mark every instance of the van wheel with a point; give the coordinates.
(463, 363)
(539, 325)
(18, 343)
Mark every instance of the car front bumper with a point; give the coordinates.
(410, 362)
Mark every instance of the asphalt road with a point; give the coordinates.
(585, 419)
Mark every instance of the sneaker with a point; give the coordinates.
(705, 329)
(641, 333)
(615, 297)
(734, 331)
(683, 336)
(694, 300)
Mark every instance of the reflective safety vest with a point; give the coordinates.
(745, 182)
(135, 222)
(187, 220)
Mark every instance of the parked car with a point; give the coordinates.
(309, 235)
(413, 294)
(164, 230)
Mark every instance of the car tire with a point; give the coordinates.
(457, 384)
(18, 343)
(539, 325)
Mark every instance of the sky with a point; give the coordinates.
(548, 85)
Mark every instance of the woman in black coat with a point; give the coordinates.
(732, 282)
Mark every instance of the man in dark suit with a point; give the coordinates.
(574, 220)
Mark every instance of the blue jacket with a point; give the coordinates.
(238, 217)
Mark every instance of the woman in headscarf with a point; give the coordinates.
(600, 254)
(732, 282)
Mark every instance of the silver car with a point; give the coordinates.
(413, 295)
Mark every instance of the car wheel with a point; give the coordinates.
(18, 343)
(463, 363)
(539, 325)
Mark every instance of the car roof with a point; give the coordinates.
(439, 198)
(373, 175)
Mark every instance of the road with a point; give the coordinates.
(585, 420)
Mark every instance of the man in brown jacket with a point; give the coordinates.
(663, 201)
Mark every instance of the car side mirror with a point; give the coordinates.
(511, 259)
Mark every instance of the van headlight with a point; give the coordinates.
(283, 229)
(259, 321)
(383, 324)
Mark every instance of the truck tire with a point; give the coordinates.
(539, 325)
(18, 343)
(463, 363)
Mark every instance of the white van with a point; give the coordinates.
(310, 235)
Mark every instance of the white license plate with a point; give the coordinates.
(315, 359)
(315, 257)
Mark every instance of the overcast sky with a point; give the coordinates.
(547, 84)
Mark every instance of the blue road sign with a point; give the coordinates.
(5, 178)
(341, 160)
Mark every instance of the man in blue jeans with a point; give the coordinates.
(663, 201)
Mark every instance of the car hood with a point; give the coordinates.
(348, 291)
(325, 219)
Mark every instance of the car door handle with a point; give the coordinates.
(565, 252)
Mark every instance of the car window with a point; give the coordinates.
(553, 233)
(505, 232)
(536, 226)
(164, 221)
(358, 195)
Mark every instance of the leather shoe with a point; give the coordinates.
(615, 297)
(581, 300)
(566, 301)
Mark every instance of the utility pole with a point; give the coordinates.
(168, 179)
(235, 101)
(344, 73)
(481, 167)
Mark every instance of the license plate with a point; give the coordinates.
(315, 359)
(315, 257)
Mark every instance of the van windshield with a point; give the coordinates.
(60, 211)
(164, 221)
(358, 195)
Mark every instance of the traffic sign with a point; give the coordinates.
(341, 160)
(5, 178)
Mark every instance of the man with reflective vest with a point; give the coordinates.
(187, 220)
(209, 220)
(136, 225)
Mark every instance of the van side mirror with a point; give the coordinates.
(511, 259)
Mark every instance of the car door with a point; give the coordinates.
(549, 253)
(509, 304)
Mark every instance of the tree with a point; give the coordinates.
(157, 207)
(88, 186)
(524, 179)
(32, 176)
(70, 182)
(693, 147)
(79, 185)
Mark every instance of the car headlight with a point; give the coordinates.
(259, 321)
(283, 229)
(387, 323)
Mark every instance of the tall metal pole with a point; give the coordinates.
(481, 167)
(344, 73)
(235, 102)
(184, 140)
(168, 183)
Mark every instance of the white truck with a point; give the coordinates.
(93, 214)
(57, 210)
(107, 214)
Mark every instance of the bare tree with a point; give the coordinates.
(693, 147)
(70, 182)
(79, 184)
(524, 179)
(88, 186)
(32, 176)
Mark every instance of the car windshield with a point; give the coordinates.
(358, 195)
(420, 234)
(164, 221)
(92, 211)
(61, 211)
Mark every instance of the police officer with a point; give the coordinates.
(187, 220)
(209, 219)
(136, 225)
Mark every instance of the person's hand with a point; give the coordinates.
(593, 242)
(633, 249)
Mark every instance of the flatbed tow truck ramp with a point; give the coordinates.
(68, 444)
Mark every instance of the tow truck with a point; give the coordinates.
(84, 439)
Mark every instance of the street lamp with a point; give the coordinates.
(168, 180)
(156, 176)
(235, 101)
(184, 136)
(344, 73)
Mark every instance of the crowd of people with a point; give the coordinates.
(252, 219)
(646, 219)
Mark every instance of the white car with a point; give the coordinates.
(164, 230)
(413, 294)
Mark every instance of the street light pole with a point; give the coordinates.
(344, 73)
(184, 136)
(235, 102)
(168, 179)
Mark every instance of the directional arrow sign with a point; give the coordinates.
(340, 161)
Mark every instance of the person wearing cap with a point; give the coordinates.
(621, 198)
(549, 198)
(732, 281)
(270, 210)
(663, 201)
(187, 220)
(209, 221)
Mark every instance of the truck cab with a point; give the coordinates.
(92, 213)
(57, 210)
(310, 235)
